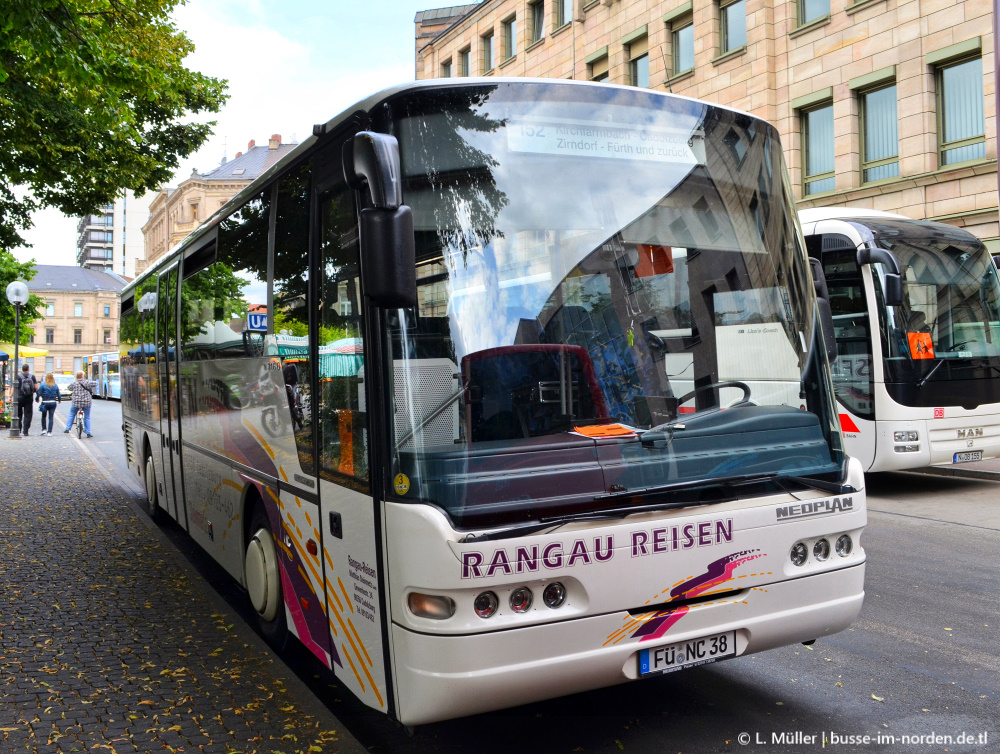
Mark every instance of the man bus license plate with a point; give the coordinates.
(969, 455)
(686, 654)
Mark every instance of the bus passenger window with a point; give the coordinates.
(342, 415)
(292, 393)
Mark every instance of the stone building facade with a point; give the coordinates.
(81, 313)
(881, 104)
(175, 212)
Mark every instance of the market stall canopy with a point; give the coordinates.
(23, 351)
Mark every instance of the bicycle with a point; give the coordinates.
(79, 424)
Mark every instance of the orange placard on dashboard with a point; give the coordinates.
(604, 430)
(654, 260)
(921, 346)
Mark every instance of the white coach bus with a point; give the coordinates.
(497, 390)
(917, 375)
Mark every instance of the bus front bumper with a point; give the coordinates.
(443, 677)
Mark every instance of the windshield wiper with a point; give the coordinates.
(541, 524)
(923, 380)
(821, 484)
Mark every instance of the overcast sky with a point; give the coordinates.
(289, 64)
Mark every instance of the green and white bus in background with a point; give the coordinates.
(496, 390)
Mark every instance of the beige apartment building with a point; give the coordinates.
(175, 212)
(880, 104)
(80, 319)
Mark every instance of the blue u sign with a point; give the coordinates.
(257, 323)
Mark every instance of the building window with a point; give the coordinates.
(77, 309)
(879, 135)
(509, 38)
(107, 336)
(489, 52)
(537, 21)
(682, 40)
(107, 310)
(446, 69)
(31, 336)
(734, 26)
(49, 363)
(50, 335)
(962, 130)
(817, 138)
(77, 337)
(638, 62)
(194, 212)
(465, 62)
(564, 12)
(50, 308)
(599, 69)
(813, 10)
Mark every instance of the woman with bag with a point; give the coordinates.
(48, 396)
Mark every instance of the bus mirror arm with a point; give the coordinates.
(388, 244)
(893, 280)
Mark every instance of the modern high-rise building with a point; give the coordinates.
(110, 240)
(880, 104)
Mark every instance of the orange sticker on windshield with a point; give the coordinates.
(604, 430)
(921, 346)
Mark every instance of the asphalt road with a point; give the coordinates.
(922, 660)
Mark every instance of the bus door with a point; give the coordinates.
(351, 519)
(854, 368)
(166, 366)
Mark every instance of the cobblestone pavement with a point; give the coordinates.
(107, 645)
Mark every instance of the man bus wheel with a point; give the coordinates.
(152, 500)
(263, 578)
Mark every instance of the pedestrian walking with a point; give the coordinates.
(82, 398)
(48, 396)
(26, 386)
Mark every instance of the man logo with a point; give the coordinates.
(966, 434)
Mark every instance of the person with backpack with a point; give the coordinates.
(26, 387)
(82, 398)
(48, 396)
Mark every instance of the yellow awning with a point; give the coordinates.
(23, 351)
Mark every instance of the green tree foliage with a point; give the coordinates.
(11, 270)
(91, 97)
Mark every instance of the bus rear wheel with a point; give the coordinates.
(149, 477)
(263, 579)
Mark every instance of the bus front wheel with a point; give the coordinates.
(263, 578)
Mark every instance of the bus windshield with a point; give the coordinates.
(613, 302)
(951, 301)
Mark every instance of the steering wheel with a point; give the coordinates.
(713, 385)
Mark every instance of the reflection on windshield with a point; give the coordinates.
(596, 263)
(951, 302)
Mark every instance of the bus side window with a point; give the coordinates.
(342, 414)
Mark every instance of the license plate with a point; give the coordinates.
(687, 654)
(969, 455)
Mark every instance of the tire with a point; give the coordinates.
(152, 498)
(263, 580)
(79, 426)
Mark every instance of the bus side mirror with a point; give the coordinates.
(388, 245)
(893, 290)
(823, 307)
(893, 280)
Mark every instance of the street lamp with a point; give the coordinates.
(17, 294)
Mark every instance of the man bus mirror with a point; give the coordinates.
(388, 249)
(893, 282)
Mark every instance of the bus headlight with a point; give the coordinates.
(430, 606)
(907, 436)
(844, 545)
(554, 595)
(520, 600)
(486, 604)
(821, 550)
(799, 554)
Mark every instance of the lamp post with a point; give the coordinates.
(17, 294)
